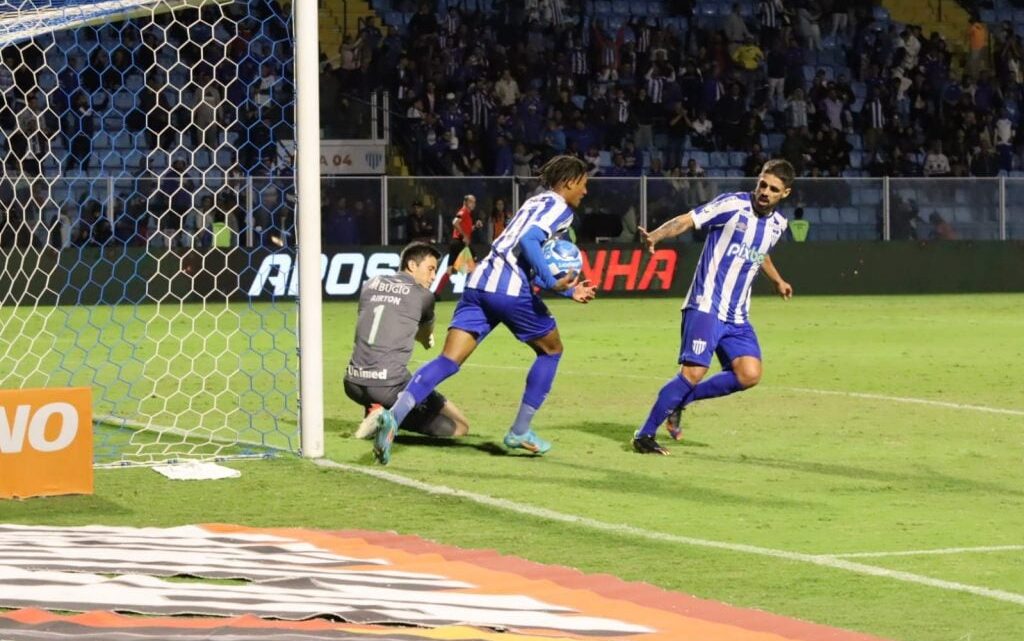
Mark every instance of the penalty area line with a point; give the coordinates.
(628, 530)
(980, 549)
(802, 390)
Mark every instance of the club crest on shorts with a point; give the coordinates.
(699, 346)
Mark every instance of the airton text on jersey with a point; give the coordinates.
(745, 252)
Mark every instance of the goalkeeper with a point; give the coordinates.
(394, 311)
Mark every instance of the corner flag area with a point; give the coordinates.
(245, 583)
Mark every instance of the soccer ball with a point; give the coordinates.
(562, 256)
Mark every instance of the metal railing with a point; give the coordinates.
(862, 209)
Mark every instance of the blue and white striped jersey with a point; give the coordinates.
(501, 271)
(737, 242)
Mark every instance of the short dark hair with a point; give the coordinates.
(561, 170)
(416, 252)
(782, 170)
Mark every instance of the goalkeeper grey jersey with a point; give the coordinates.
(391, 310)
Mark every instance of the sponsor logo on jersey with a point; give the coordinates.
(368, 374)
(745, 252)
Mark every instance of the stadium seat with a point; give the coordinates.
(812, 215)
(715, 173)
(868, 215)
(988, 16)
(737, 158)
(1004, 15)
(719, 160)
(961, 215)
(775, 142)
(849, 216)
(702, 158)
(734, 173)
(830, 215)
(602, 7)
(620, 7)
(855, 159)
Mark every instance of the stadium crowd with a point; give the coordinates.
(498, 93)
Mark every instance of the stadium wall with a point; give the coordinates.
(97, 276)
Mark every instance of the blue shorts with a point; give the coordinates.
(704, 334)
(526, 315)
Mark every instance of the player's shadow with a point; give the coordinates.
(623, 434)
(487, 447)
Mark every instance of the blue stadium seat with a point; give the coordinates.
(855, 159)
(602, 7)
(868, 215)
(988, 16)
(715, 173)
(719, 159)
(620, 7)
(812, 215)
(854, 140)
(960, 215)
(656, 8)
(737, 158)
(1004, 15)
(701, 157)
(775, 142)
(734, 173)
(849, 215)
(830, 215)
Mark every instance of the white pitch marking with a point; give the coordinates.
(805, 390)
(990, 548)
(629, 530)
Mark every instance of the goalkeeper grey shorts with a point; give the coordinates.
(424, 419)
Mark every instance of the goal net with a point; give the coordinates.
(143, 184)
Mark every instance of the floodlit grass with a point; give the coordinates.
(780, 466)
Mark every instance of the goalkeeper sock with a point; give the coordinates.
(673, 394)
(423, 382)
(721, 384)
(538, 384)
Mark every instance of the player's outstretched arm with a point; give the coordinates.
(584, 292)
(672, 228)
(781, 286)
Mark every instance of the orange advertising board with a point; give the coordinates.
(45, 442)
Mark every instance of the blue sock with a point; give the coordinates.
(538, 384)
(422, 384)
(721, 384)
(674, 394)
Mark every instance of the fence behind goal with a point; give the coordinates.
(142, 157)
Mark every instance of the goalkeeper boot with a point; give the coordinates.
(647, 445)
(386, 429)
(529, 442)
(674, 424)
(368, 427)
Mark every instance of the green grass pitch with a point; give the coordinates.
(784, 466)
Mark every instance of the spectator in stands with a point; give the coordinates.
(809, 19)
(418, 226)
(499, 218)
(755, 160)
(941, 230)
(985, 163)
(735, 28)
(81, 127)
(703, 132)
(936, 163)
(977, 45)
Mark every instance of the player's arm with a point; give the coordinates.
(674, 227)
(425, 334)
(781, 286)
(530, 245)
